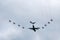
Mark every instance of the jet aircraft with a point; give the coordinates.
(32, 22)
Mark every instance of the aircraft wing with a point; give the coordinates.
(33, 29)
(30, 28)
(37, 28)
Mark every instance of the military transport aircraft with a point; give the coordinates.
(34, 29)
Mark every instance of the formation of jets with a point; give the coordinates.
(33, 27)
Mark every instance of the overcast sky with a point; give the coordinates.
(23, 11)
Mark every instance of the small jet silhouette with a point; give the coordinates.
(45, 25)
(18, 25)
(13, 22)
(51, 20)
(34, 29)
(48, 22)
(32, 22)
(9, 20)
(23, 27)
(42, 27)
